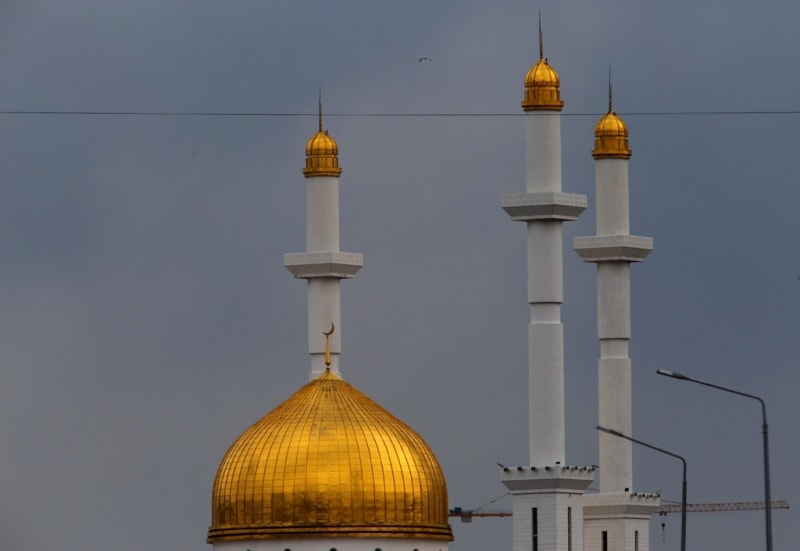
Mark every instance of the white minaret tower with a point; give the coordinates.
(328, 468)
(616, 518)
(547, 494)
(323, 265)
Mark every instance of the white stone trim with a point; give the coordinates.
(543, 205)
(548, 478)
(323, 264)
(620, 505)
(601, 248)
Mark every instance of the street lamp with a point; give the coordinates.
(683, 491)
(767, 493)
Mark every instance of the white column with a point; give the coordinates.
(545, 292)
(547, 495)
(322, 214)
(324, 266)
(617, 514)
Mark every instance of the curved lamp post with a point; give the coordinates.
(683, 491)
(767, 492)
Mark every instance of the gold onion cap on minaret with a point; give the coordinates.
(611, 138)
(542, 88)
(611, 135)
(542, 84)
(322, 153)
(322, 156)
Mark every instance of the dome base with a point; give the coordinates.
(388, 531)
(342, 544)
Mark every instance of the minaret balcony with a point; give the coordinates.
(323, 264)
(547, 479)
(607, 505)
(607, 248)
(545, 205)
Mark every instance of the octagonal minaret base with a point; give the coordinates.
(618, 520)
(548, 506)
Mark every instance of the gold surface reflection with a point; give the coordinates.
(329, 462)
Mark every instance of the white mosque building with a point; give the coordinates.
(331, 470)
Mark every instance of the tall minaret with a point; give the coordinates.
(323, 265)
(547, 494)
(616, 518)
(328, 468)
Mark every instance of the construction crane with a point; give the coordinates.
(668, 508)
(466, 515)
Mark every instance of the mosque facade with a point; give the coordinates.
(331, 470)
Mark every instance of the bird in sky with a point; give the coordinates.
(424, 58)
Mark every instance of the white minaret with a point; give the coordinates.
(323, 264)
(616, 518)
(328, 468)
(547, 494)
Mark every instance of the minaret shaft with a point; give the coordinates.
(322, 214)
(545, 278)
(324, 309)
(617, 517)
(547, 495)
(545, 294)
(614, 329)
(611, 176)
(324, 293)
(323, 264)
(542, 151)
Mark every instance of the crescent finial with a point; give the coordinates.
(328, 334)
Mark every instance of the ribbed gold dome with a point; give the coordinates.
(329, 462)
(542, 88)
(322, 155)
(611, 137)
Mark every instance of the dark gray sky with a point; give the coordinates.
(146, 318)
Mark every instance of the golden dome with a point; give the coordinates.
(542, 88)
(611, 137)
(329, 462)
(322, 155)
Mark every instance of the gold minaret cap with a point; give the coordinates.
(329, 462)
(611, 134)
(542, 84)
(322, 153)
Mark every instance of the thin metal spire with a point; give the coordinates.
(610, 100)
(320, 108)
(541, 42)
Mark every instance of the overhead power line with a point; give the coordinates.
(378, 115)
